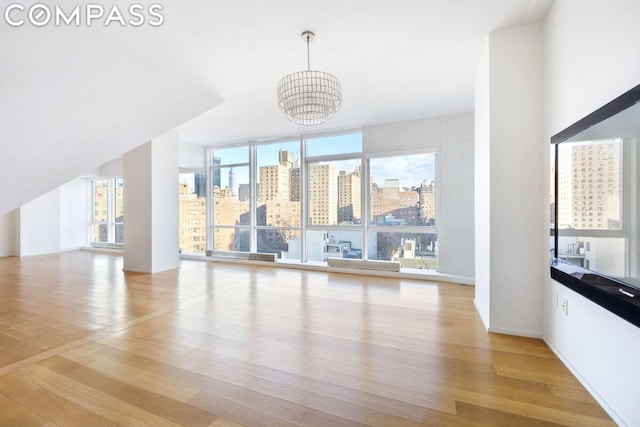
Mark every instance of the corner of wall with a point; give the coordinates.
(8, 224)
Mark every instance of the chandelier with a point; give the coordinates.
(309, 97)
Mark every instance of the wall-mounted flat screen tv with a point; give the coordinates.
(595, 239)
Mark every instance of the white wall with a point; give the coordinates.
(165, 208)
(591, 57)
(54, 222)
(456, 220)
(151, 206)
(453, 137)
(509, 294)
(7, 234)
(111, 169)
(406, 135)
(40, 225)
(74, 214)
(482, 179)
(192, 156)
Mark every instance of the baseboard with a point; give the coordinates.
(485, 321)
(608, 409)
(517, 333)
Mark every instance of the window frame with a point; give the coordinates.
(364, 158)
(110, 221)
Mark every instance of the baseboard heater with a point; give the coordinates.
(362, 264)
(252, 256)
(102, 245)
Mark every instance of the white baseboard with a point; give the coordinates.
(608, 409)
(526, 334)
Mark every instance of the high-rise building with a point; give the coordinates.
(217, 173)
(244, 192)
(200, 183)
(274, 182)
(349, 197)
(193, 217)
(294, 184)
(323, 194)
(286, 158)
(427, 202)
(228, 212)
(233, 185)
(589, 194)
(394, 205)
(279, 213)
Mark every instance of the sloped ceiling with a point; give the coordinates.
(74, 98)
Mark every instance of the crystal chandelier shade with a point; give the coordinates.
(309, 97)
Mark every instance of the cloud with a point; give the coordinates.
(411, 170)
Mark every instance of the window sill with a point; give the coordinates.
(405, 273)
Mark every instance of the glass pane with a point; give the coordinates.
(193, 213)
(231, 239)
(119, 200)
(333, 244)
(277, 241)
(228, 208)
(337, 144)
(279, 213)
(100, 233)
(119, 233)
(101, 200)
(403, 190)
(335, 193)
(278, 187)
(413, 250)
(230, 156)
(590, 185)
(606, 255)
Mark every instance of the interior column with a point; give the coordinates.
(150, 174)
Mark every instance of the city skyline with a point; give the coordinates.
(422, 165)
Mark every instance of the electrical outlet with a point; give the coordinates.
(565, 307)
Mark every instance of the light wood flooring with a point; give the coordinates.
(212, 344)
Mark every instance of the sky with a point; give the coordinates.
(411, 170)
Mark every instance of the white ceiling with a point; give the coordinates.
(74, 98)
(397, 59)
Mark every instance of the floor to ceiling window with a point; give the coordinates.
(334, 197)
(402, 205)
(312, 198)
(107, 225)
(231, 202)
(278, 190)
(192, 199)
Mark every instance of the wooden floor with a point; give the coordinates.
(84, 344)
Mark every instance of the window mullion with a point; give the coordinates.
(366, 207)
(304, 199)
(253, 236)
(111, 210)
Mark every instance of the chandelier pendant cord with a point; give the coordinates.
(308, 55)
